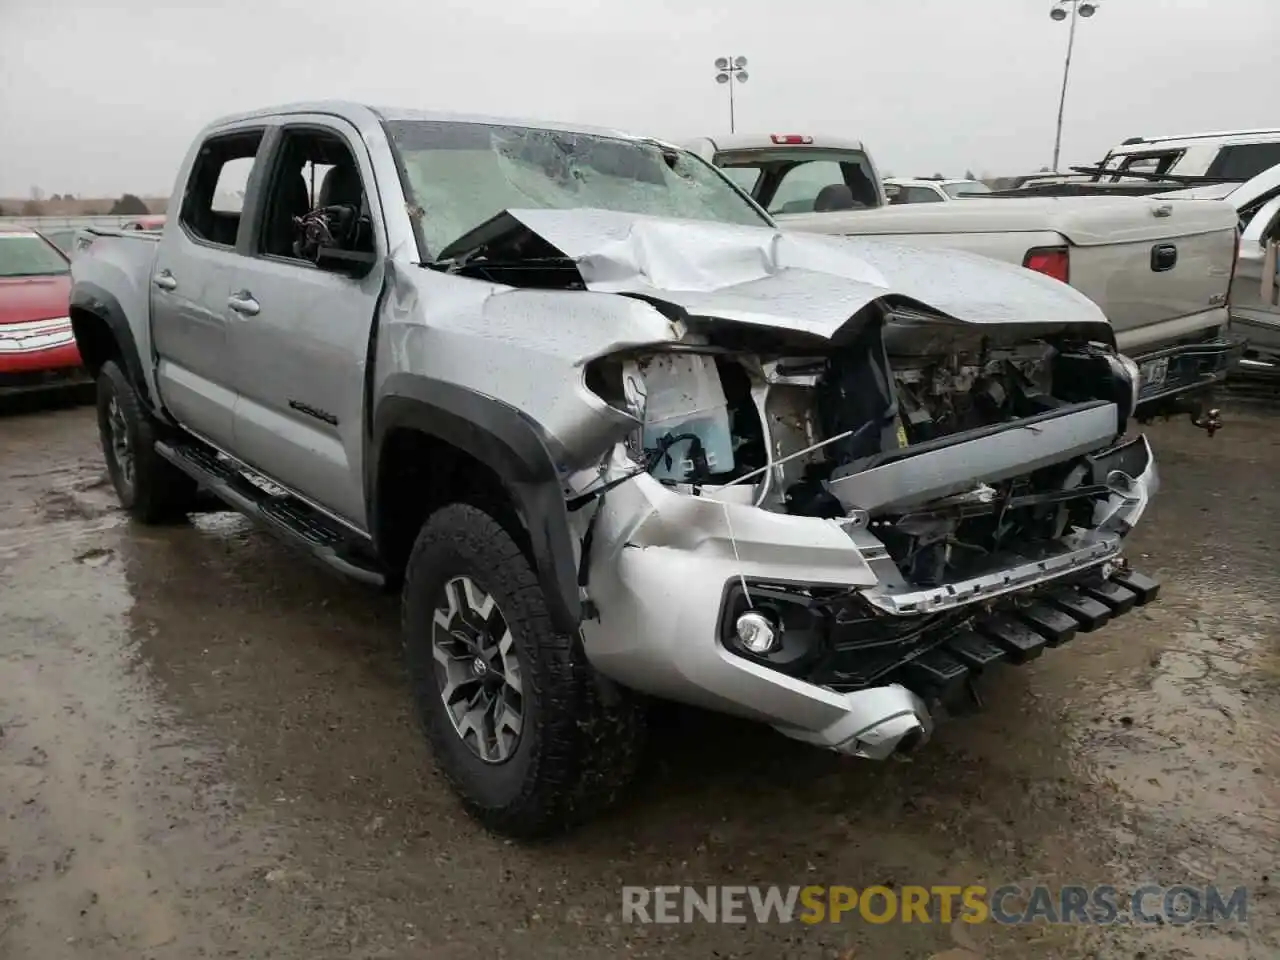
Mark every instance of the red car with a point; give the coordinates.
(145, 223)
(37, 348)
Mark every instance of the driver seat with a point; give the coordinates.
(342, 186)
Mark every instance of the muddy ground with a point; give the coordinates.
(206, 752)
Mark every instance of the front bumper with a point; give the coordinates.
(39, 354)
(669, 573)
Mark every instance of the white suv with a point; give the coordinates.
(931, 190)
(1236, 155)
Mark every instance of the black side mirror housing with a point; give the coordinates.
(352, 263)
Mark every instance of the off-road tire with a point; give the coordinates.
(582, 735)
(156, 492)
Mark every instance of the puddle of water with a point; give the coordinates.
(114, 811)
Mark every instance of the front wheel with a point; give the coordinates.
(522, 727)
(148, 486)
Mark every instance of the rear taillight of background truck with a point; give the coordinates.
(1051, 261)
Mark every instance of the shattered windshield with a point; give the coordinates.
(461, 174)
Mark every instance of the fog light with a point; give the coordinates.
(757, 632)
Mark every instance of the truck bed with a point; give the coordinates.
(116, 265)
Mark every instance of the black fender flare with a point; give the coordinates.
(511, 445)
(93, 299)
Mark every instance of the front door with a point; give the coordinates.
(190, 282)
(1255, 291)
(300, 331)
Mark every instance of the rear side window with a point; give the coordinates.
(799, 188)
(786, 180)
(1244, 161)
(214, 197)
(1153, 162)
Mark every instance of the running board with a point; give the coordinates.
(283, 514)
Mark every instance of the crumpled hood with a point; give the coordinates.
(804, 282)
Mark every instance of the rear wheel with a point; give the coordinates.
(148, 486)
(531, 738)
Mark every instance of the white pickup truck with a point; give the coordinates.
(1159, 269)
(1255, 285)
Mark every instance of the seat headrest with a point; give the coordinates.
(834, 196)
(341, 185)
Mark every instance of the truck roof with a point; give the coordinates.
(362, 114)
(1225, 135)
(767, 141)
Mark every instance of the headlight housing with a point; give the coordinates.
(1126, 369)
(1095, 373)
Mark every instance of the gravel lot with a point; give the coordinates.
(206, 751)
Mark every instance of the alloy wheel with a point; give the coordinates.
(121, 445)
(477, 670)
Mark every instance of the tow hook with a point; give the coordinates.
(1197, 409)
(1208, 420)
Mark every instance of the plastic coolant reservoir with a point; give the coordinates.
(681, 394)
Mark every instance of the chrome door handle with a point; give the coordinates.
(244, 304)
(165, 280)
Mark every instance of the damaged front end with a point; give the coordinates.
(838, 499)
(834, 537)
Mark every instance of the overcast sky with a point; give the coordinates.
(98, 98)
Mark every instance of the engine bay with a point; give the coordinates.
(796, 432)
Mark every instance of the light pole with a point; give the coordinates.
(1081, 8)
(731, 70)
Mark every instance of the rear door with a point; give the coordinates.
(299, 331)
(1255, 291)
(190, 282)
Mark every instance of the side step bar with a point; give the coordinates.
(284, 515)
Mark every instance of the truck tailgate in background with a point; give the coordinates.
(1165, 264)
(1145, 261)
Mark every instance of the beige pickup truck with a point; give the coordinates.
(1160, 269)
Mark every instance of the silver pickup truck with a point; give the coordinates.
(1160, 271)
(612, 434)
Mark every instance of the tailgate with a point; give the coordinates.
(1114, 241)
(1147, 261)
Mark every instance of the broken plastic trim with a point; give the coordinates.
(1088, 550)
